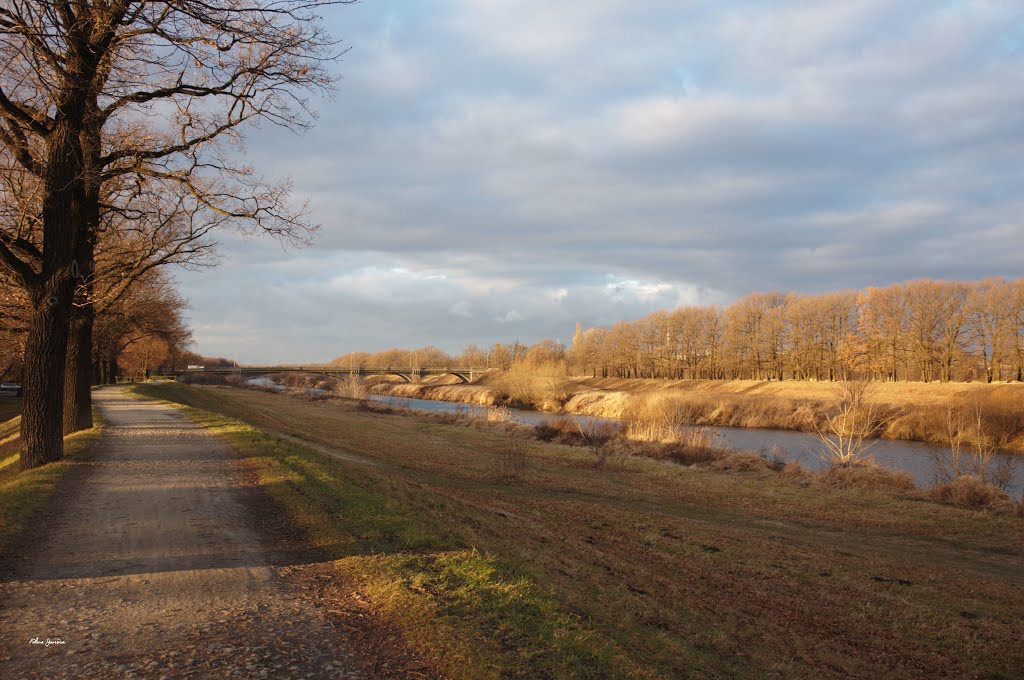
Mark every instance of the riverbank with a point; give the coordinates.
(639, 568)
(908, 411)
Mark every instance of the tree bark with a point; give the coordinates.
(42, 396)
(78, 372)
(47, 340)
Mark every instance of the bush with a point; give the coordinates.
(681, 453)
(797, 472)
(352, 387)
(742, 462)
(867, 475)
(972, 492)
(510, 463)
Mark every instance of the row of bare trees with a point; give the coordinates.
(120, 131)
(922, 330)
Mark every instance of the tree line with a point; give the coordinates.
(922, 330)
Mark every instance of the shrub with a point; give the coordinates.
(352, 387)
(797, 472)
(972, 492)
(743, 461)
(681, 453)
(868, 475)
(510, 462)
(546, 432)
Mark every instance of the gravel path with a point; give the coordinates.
(163, 562)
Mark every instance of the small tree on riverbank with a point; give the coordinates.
(850, 429)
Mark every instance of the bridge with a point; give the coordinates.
(467, 375)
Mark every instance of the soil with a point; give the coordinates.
(163, 560)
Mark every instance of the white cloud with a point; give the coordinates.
(509, 317)
(461, 308)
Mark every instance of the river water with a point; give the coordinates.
(917, 458)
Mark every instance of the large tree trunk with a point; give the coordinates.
(46, 344)
(77, 382)
(42, 397)
(78, 373)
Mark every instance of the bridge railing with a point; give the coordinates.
(467, 373)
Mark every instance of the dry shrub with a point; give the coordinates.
(723, 412)
(543, 387)
(352, 387)
(972, 492)
(925, 423)
(575, 432)
(649, 432)
(804, 417)
(500, 414)
(510, 462)
(868, 475)
(797, 472)
(742, 461)
(848, 429)
(680, 453)
(459, 416)
(317, 397)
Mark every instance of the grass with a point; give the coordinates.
(24, 495)
(642, 569)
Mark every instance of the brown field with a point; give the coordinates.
(676, 571)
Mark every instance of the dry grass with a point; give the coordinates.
(867, 475)
(972, 492)
(742, 462)
(685, 572)
(352, 387)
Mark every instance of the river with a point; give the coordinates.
(917, 458)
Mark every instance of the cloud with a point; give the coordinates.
(461, 308)
(594, 161)
(510, 317)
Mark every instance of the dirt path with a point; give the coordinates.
(163, 562)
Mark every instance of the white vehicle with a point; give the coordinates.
(196, 368)
(10, 389)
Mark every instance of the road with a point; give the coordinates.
(163, 561)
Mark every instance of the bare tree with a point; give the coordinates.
(850, 428)
(85, 87)
(142, 227)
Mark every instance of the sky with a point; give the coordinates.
(492, 170)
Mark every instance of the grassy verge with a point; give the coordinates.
(25, 494)
(466, 610)
(638, 567)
